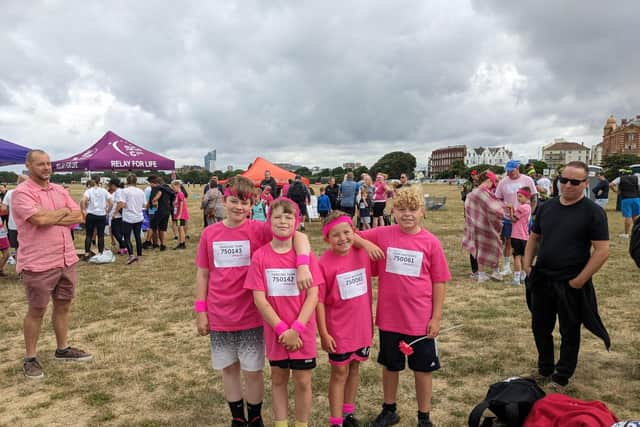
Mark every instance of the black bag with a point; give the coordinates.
(634, 242)
(510, 400)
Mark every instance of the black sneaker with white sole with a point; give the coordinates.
(72, 354)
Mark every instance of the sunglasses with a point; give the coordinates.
(564, 180)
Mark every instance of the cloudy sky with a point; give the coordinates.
(316, 83)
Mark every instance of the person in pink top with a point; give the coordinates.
(411, 292)
(225, 310)
(43, 212)
(381, 189)
(507, 192)
(287, 311)
(345, 320)
(520, 233)
(180, 213)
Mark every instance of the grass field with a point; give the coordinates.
(151, 369)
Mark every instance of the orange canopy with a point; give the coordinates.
(256, 172)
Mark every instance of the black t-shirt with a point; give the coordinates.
(566, 233)
(165, 201)
(271, 182)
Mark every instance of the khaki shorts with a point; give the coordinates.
(57, 283)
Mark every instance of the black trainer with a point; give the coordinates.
(256, 422)
(386, 418)
(424, 423)
(350, 421)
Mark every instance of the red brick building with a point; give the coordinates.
(623, 139)
(442, 159)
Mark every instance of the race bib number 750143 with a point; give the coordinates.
(232, 253)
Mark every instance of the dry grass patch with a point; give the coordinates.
(151, 369)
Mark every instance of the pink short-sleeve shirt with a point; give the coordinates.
(520, 229)
(44, 247)
(347, 296)
(181, 203)
(412, 264)
(275, 275)
(226, 252)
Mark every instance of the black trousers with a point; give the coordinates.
(118, 232)
(474, 263)
(134, 228)
(97, 223)
(551, 299)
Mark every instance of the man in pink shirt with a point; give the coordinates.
(506, 191)
(43, 212)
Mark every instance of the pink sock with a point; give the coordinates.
(348, 408)
(335, 421)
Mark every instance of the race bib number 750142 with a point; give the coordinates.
(281, 282)
(404, 262)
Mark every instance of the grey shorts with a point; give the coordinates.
(246, 347)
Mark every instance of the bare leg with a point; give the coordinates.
(337, 384)
(31, 327)
(351, 388)
(231, 382)
(390, 385)
(279, 396)
(60, 320)
(423, 390)
(254, 383)
(303, 394)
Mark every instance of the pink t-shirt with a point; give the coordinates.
(379, 192)
(181, 203)
(275, 274)
(44, 247)
(226, 253)
(347, 297)
(507, 189)
(520, 228)
(412, 264)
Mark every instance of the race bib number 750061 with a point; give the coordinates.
(404, 262)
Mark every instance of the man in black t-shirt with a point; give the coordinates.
(564, 231)
(162, 197)
(268, 180)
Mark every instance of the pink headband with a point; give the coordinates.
(297, 209)
(524, 192)
(340, 220)
(231, 192)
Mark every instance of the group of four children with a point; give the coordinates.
(259, 287)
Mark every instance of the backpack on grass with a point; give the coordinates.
(509, 400)
(558, 410)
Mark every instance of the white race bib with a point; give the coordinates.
(281, 282)
(231, 254)
(352, 284)
(404, 262)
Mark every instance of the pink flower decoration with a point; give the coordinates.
(405, 348)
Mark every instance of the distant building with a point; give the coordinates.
(487, 156)
(596, 154)
(210, 161)
(351, 165)
(442, 159)
(623, 139)
(560, 152)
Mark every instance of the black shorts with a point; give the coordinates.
(13, 238)
(360, 355)
(423, 359)
(518, 246)
(378, 209)
(349, 210)
(303, 208)
(181, 222)
(159, 222)
(294, 364)
(323, 214)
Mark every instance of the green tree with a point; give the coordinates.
(8, 177)
(540, 165)
(359, 171)
(394, 164)
(303, 171)
(613, 163)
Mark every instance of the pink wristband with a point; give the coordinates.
(200, 306)
(298, 327)
(302, 260)
(280, 328)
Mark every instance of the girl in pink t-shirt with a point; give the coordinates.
(180, 214)
(287, 312)
(345, 320)
(520, 232)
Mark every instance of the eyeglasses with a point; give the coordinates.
(564, 180)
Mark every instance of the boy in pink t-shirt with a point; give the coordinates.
(410, 301)
(288, 313)
(225, 310)
(345, 320)
(180, 214)
(520, 233)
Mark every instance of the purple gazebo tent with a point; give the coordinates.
(113, 152)
(12, 154)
